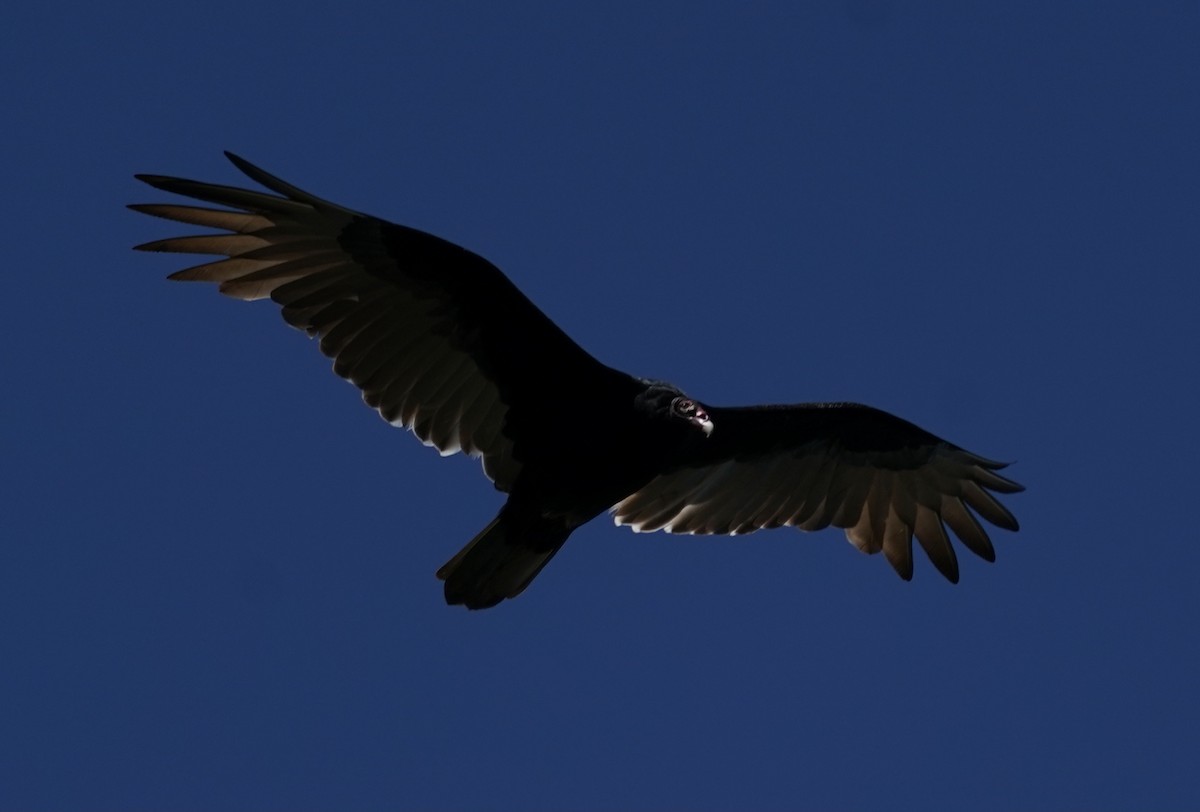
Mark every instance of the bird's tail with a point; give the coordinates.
(500, 561)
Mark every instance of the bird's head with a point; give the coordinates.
(684, 408)
(664, 402)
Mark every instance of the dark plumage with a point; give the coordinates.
(441, 342)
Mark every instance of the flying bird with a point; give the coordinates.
(442, 343)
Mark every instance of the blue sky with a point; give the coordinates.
(216, 565)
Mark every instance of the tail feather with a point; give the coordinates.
(499, 562)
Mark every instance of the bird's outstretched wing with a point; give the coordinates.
(814, 465)
(436, 337)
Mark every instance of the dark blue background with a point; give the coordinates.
(216, 566)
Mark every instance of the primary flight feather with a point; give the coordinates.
(442, 343)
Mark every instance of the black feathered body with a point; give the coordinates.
(572, 470)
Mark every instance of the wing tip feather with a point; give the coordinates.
(154, 245)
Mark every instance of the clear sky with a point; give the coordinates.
(216, 565)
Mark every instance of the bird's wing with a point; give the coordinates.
(436, 337)
(814, 465)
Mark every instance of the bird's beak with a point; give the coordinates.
(706, 425)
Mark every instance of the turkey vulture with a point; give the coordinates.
(442, 343)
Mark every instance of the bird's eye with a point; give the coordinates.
(684, 406)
